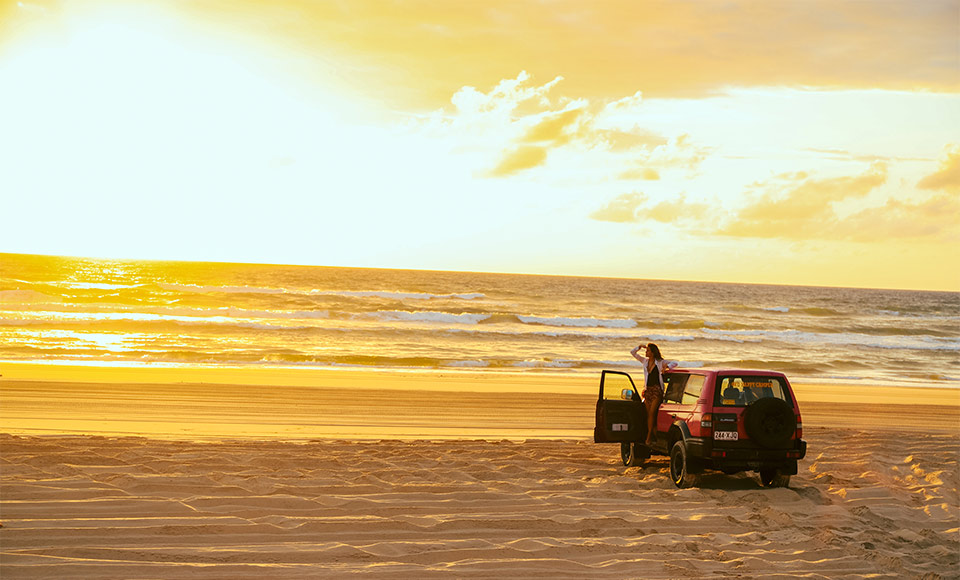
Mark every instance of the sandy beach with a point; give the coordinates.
(222, 473)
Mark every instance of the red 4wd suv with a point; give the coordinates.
(727, 419)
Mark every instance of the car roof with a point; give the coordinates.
(729, 371)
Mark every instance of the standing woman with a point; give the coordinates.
(653, 368)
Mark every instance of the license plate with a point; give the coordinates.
(725, 435)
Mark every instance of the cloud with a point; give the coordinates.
(678, 210)
(797, 206)
(518, 159)
(678, 153)
(619, 141)
(948, 176)
(670, 49)
(623, 209)
(644, 173)
(521, 123)
(934, 218)
(844, 155)
(800, 206)
(557, 128)
(505, 97)
(805, 209)
(633, 208)
(553, 129)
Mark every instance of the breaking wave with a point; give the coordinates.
(278, 315)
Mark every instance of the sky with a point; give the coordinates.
(807, 142)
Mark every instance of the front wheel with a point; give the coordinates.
(632, 455)
(772, 477)
(680, 467)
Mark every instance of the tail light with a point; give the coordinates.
(706, 425)
(799, 427)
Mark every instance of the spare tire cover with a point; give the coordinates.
(770, 422)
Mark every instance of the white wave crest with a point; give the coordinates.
(543, 364)
(224, 289)
(429, 316)
(194, 316)
(669, 338)
(837, 339)
(96, 286)
(396, 295)
(233, 312)
(681, 364)
(579, 322)
(467, 363)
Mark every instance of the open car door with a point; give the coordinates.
(620, 417)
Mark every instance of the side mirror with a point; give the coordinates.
(626, 394)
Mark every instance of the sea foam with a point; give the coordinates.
(579, 322)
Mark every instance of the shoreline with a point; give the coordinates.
(478, 377)
(301, 405)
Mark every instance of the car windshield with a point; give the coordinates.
(739, 391)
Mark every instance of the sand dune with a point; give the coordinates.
(866, 504)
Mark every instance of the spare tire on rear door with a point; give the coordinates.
(770, 422)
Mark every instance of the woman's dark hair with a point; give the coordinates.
(655, 350)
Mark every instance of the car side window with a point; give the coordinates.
(674, 387)
(691, 393)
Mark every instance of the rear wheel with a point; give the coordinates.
(632, 454)
(680, 467)
(772, 477)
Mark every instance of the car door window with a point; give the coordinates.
(618, 387)
(674, 390)
(692, 390)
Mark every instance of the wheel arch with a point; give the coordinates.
(678, 432)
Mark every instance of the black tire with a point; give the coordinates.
(770, 422)
(632, 454)
(680, 467)
(773, 477)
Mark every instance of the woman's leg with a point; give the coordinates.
(653, 405)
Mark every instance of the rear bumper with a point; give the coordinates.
(746, 457)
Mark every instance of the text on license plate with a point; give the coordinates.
(725, 435)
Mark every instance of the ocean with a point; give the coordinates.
(181, 313)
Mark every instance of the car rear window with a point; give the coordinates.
(740, 391)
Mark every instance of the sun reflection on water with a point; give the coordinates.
(107, 341)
